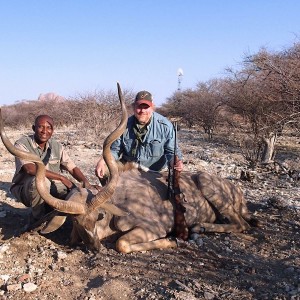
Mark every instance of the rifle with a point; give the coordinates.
(175, 195)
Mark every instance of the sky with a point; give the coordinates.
(82, 46)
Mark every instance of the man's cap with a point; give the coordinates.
(144, 97)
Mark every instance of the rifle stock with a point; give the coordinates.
(180, 225)
(181, 229)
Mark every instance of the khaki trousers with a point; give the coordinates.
(27, 194)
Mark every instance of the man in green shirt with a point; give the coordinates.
(55, 159)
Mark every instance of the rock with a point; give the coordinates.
(194, 236)
(14, 287)
(199, 242)
(209, 296)
(61, 255)
(29, 287)
(4, 248)
(4, 277)
(24, 277)
(188, 268)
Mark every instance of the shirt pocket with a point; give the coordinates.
(156, 148)
(54, 161)
(54, 165)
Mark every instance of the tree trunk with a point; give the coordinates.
(269, 147)
(209, 131)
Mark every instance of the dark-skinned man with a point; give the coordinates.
(55, 159)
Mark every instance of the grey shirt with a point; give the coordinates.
(54, 156)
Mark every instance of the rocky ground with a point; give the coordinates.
(263, 263)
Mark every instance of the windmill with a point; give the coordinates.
(179, 74)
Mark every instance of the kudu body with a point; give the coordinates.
(134, 203)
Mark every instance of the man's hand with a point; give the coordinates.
(97, 187)
(89, 186)
(178, 166)
(100, 169)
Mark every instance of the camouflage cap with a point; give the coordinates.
(143, 97)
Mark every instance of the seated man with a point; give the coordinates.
(149, 139)
(54, 157)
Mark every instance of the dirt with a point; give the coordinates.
(263, 263)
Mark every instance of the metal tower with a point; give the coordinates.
(179, 74)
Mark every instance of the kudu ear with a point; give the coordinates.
(53, 224)
(114, 210)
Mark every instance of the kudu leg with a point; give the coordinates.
(218, 228)
(140, 239)
(236, 224)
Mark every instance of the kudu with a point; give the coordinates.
(134, 203)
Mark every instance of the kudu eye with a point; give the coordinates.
(100, 216)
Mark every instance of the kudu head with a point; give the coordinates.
(81, 203)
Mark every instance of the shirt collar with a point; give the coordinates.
(37, 146)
